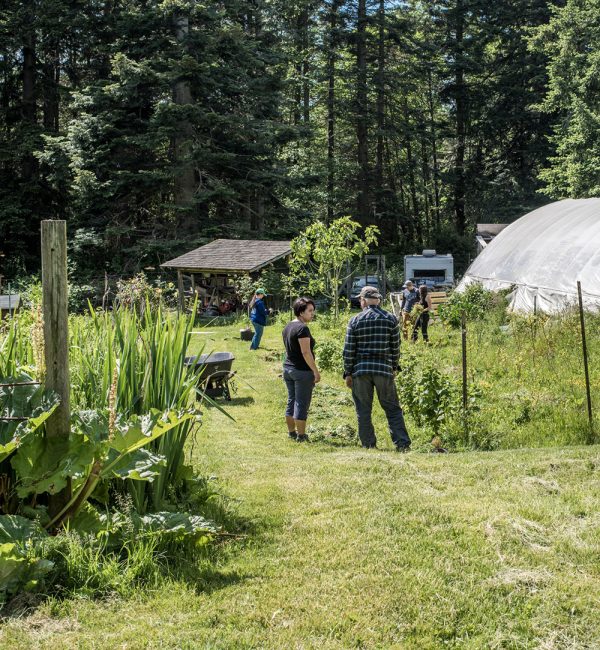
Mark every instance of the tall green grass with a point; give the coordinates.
(141, 359)
(126, 362)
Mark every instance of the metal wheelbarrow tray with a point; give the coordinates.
(216, 374)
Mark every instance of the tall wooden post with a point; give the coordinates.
(585, 363)
(56, 340)
(463, 330)
(180, 291)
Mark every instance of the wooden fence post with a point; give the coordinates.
(56, 341)
(585, 362)
(463, 329)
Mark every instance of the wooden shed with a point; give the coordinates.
(210, 268)
(486, 232)
(9, 304)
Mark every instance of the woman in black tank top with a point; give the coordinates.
(423, 318)
(300, 371)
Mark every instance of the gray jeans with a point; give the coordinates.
(363, 387)
(300, 385)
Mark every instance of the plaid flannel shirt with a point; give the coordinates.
(372, 345)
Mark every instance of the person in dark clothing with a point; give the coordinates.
(258, 317)
(410, 297)
(423, 318)
(300, 371)
(371, 356)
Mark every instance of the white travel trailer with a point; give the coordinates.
(429, 268)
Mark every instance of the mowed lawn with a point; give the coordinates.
(341, 547)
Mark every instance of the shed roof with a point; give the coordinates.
(490, 229)
(231, 255)
(11, 302)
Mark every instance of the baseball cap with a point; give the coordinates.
(261, 290)
(370, 292)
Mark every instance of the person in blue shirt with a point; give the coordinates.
(258, 317)
(410, 297)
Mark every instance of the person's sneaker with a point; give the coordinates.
(302, 437)
(403, 449)
(293, 435)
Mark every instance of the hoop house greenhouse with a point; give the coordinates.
(542, 256)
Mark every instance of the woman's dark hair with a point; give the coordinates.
(423, 290)
(300, 305)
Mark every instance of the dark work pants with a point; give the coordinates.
(300, 385)
(363, 387)
(422, 322)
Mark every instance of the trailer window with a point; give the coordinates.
(429, 273)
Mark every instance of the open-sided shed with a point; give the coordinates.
(9, 304)
(212, 266)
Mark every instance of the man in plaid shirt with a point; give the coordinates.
(371, 355)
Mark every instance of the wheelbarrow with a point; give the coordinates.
(214, 373)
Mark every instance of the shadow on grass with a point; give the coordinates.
(235, 401)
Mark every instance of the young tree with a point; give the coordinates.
(321, 254)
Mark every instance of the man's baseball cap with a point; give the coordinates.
(261, 290)
(370, 293)
(408, 282)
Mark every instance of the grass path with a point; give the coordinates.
(349, 548)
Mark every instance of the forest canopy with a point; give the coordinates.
(153, 126)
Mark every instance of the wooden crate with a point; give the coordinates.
(438, 298)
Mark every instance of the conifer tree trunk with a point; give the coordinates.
(185, 183)
(331, 73)
(29, 108)
(304, 18)
(380, 101)
(461, 118)
(361, 116)
(51, 84)
(433, 136)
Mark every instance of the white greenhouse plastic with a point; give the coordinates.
(542, 255)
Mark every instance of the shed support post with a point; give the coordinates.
(56, 342)
(180, 291)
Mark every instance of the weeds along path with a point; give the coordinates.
(348, 548)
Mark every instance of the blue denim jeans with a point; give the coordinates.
(363, 387)
(300, 385)
(258, 332)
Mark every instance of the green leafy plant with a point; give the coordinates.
(322, 252)
(474, 302)
(20, 569)
(329, 355)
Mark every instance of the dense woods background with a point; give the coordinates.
(153, 126)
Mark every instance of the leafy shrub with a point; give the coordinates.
(474, 302)
(137, 293)
(434, 399)
(428, 394)
(329, 355)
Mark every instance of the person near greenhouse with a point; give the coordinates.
(371, 356)
(410, 297)
(423, 317)
(258, 317)
(300, 371)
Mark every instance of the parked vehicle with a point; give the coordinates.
(358, 283)
(431, 269)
